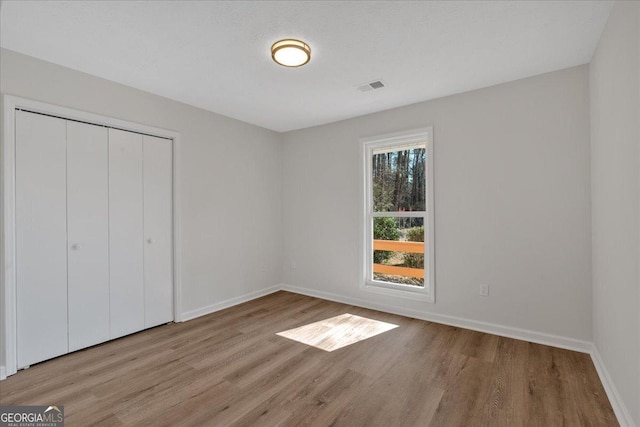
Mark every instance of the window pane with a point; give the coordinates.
(398, 250)
(398, 178)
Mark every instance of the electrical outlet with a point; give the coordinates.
(484, 290)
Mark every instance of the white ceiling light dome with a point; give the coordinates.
(291, 52)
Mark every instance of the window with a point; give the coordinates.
(398, 220)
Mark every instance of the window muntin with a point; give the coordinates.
(399, 220)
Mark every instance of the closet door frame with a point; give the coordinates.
(8, 359)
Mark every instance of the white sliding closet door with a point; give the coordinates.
(41, 237)
(158, 274)
(126, 232)
(88, 234)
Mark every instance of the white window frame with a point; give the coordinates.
(400, 140)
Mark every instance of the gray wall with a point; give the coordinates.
(231, 180)
(615, 148)
(512, 203)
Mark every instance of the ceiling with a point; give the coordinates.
(215, 55)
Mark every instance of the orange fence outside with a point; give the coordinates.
(396, 246)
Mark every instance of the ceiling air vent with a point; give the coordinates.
(377, 84)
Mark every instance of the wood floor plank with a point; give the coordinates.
(329, 399)
(413, 404)
(584, 389)
(509, 385)
(470, 390)
(167, 394)
(481, 346)
(230, 368)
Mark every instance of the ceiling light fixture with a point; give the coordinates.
(291, 52)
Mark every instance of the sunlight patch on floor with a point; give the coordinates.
(337, 332)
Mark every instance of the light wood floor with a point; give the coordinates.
(230, 368)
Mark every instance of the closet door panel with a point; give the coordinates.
(158, 254)
(88, 234)
(41, 237)
(126, 233)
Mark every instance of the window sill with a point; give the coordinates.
(400, 291)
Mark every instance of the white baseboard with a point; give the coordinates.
(3, 373)
(619, 408)
(192, 314)
(490, 328)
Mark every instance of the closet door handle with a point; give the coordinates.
(149, 241)
(75, 247)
